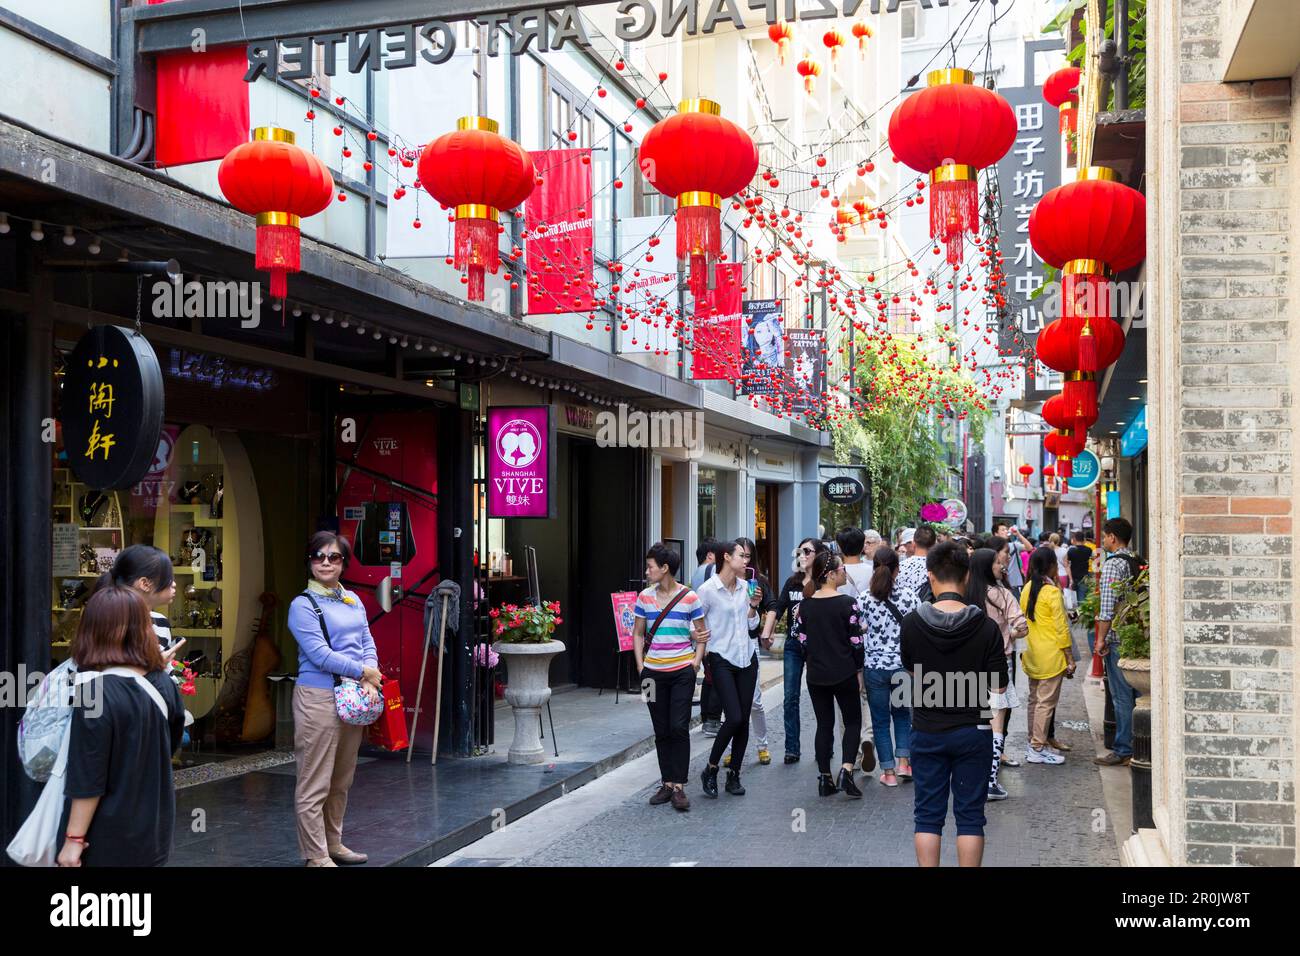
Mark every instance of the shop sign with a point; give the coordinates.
(763, 355)
(112, 407)
(575, 416)
(956, 509)
(1087, 469)
(217, 371)
(521, 463)
(624, 618)
(845, 490)
(1134, 438)
(468, 393)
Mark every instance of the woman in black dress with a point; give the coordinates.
(828, 629)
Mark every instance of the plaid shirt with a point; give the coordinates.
(1113, 570)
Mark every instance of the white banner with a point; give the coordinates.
(644, 284)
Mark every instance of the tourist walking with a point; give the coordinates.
(985, 589)
(729, 615)
(1062, 561)
(884, 608)
(852, 543)
(787, 600)
(911, 570)
(760, 588)
(944, 644)
(669, 642)
(334, 646)
(706, 557)
(1119, 565)
(1079, 559)
(120, 806)
(1048, 658)
(828, 628)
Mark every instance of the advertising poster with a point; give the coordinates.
(558, 218)
(805, 370)
(763, 348)
(716, 341)
(624, 617)
(520, 461)
(648, 285)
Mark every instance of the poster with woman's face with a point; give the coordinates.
(763, 356)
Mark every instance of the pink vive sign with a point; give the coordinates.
(519, 461)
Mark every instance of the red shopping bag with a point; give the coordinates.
(389, 731)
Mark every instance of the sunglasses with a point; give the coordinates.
(333, 557)
(807, 551)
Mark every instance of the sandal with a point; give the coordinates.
(889, 778)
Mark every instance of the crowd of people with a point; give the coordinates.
(906, 630)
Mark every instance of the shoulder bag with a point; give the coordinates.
(650, 631)
(353, 704)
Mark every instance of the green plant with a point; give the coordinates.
(527, 624)
(1132, 620)
(1137, 45)
(1089, 607)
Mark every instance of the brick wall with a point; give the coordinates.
(1234, 473)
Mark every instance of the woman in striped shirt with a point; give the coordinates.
(667, 661)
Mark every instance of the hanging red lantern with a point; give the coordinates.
(864, 33)
(279, 183)
(1025, 472)
(1065, 444)
(782, 34)
(809, 69)
(478, 173)
(952, 129)
(834, 40)
(1049, 471)
(698, 157)
(1061, 90)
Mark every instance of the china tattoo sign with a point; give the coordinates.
(111, 407)
(521, 463)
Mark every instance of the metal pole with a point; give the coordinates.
(1121, 52)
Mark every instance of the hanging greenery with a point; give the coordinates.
(1137, 44)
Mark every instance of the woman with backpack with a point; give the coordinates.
(984, 588)
(1049, 656)
(884, 608)
(119, 800)
(338, 678)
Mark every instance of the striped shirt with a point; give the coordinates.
(1115, 569)
(672, 647)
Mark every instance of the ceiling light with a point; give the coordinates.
(1142, 381)
(315, 316)
(329, 319)
(1135, 398)
(297, 311)
(94, 247)
(345, 323)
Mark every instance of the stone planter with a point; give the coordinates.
(1137, 671)
(527, 693)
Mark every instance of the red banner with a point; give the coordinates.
(716, 345)
(558, 219)
(202, 101)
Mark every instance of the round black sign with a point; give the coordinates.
(112, 407)
(843, 491)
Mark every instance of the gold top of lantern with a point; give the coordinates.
(700, 106)
(1103, 173)
(947, 77)
(274, 134)
(953, 173)
(478, 122)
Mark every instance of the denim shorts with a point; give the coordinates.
(955, 761)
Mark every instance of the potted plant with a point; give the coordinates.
(523, 638)
(1132, 622)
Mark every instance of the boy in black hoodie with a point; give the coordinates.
(953, 654)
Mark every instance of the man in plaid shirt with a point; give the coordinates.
(1119, 565)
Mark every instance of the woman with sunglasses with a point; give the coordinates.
(786, 602)
(326, 748)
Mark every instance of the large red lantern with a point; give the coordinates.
(279, 183)
(781, 33)
(952, 129)
(1061, 90)
(477, 172)
(699, 158)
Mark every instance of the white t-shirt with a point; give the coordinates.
(1062, 562)
(859, 579)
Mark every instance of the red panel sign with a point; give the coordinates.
(716, 347)
(202, 105)
(558, 218)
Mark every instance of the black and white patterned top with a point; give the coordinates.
(883, 628)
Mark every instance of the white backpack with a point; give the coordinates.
(37, 840)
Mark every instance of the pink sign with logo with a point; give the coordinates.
(519, 461)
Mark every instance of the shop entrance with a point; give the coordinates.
(765, 528)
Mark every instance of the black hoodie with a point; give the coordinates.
(964, 650)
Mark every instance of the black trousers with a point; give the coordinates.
(824, 698)
(734, 687)
(710, 705)
(670, 695)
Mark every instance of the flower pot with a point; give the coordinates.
(1137, 671)
(529, 689)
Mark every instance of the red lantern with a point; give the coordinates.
(1049, 471)
(1025, 472)
(781, 33)
(952, 130)
(864, 33)
(698, 157)
(1059, 414)
(478, 173)
(279, 183)
(1061, 90)
(809, 69)
(834, 40)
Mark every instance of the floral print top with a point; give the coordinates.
(829, 630)
(884, 629)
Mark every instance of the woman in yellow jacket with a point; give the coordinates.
(1048, 657)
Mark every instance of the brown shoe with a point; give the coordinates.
(680, 800)
(341, 854)
(1112, 760)
(662, 795)
(1063, 748)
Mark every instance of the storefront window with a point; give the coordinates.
(708, 503)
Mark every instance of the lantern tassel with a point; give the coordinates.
(1064, 468)
(954, 210)
(476, 253)
(699, 240)
(278, 252)
(1081, 397)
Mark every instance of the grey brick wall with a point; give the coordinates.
(1235, 468)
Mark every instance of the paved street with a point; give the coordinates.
(1052, 817)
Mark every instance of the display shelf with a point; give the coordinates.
(197, 631)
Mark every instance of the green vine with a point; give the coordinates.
(1137, 44)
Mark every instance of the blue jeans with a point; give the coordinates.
(794, 660)
(879, 687)
(957, 760)
(1123, 697)
(1081, 590)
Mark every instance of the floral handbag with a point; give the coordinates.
(353, 703)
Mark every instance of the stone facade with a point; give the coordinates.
(1223, 370)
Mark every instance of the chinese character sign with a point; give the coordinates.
(111, 408)
(520, 461)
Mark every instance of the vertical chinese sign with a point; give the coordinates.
(1025, 174)
(521, 461)
(558, 218)
(111, 408)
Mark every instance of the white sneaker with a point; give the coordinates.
(1046, 755)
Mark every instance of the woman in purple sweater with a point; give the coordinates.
(326, 748)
